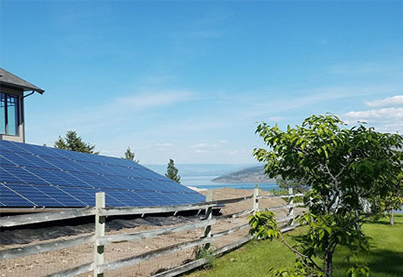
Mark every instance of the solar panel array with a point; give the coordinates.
(39, 176)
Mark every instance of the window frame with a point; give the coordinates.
(17, 114)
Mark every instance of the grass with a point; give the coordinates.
(385, 258)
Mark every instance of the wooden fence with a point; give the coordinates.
(100, 240)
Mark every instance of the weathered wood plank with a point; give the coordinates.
(43, 247)
(235, 215)
(168, 209)
(99, 249)
(153, 233)
(10, 210)
(255, 200)
(182, 269)
(279, 196)
(230, 231)
(152, 210)
(233, 200)
(152, 254)
(289, 228)
(209, 216)
(291, 210)
(283, 207)
(18, 220)
(73, 271)
(283, 219)
(231, 246)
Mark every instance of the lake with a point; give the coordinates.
(204, 182)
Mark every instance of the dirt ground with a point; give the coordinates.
(52, 262)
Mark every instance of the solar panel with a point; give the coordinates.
(39, 176)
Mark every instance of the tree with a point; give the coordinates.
(350, 172)
(297, 186)
(172, 172)
(129, 155)
(394, 200)
(73, 142)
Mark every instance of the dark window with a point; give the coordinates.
(8, 114)
(2, 113)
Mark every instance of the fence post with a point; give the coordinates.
(209, 215)
(99, 232)
(255, 200)
(291, 209)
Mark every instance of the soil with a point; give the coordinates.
(52, 262)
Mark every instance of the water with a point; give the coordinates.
(204, 182)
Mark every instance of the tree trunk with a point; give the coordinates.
(357, 216)
(392, 217)
(328, 264)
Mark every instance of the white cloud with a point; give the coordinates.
(386, 113)
(389, 101)
(200, 151)
(205, 145)
(276, 118)
(163, 144)
(385, 120)
(315, 97)
(200, 145)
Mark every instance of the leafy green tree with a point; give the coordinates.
(297, 186)
(350, 172)
(129, 155)
(172, 172)
(73, 142)
(394, 200)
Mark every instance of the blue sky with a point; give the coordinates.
(189, 80)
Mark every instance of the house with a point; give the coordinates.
(12, 94)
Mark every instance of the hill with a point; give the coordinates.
(253, 174)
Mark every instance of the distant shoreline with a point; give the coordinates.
(224, 181)
(255, 174)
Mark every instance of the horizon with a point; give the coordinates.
(189, 80)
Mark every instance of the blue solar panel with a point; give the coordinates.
(26, 176)
(10, 198)
(39, 176)
(86, 195)
(11, 178)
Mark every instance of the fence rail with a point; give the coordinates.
(280, 196)
(19, 220)
(100, 240)
(44, 247)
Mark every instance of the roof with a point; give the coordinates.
(9, 79)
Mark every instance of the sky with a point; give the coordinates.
(190, 80)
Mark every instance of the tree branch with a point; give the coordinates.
(298, 253)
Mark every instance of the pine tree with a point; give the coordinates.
(73, 142)
(172, 172)
(129, 155)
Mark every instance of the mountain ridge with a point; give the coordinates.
(254, 174)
